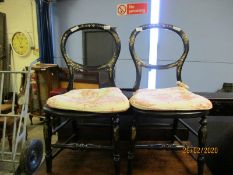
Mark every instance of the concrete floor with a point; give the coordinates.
(35, 131)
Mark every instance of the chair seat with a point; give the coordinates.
(169, 99)
(105, 100)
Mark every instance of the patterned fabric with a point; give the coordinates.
(105, 100)
(169, 99)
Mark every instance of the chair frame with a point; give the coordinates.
(51, 113)
(178, 116)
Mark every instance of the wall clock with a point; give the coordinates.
(21, 43)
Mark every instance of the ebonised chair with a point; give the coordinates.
(86, 104)
(176, 103)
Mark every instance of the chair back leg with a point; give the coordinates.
(133, 133)
(115, 142)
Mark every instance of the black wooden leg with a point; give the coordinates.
(174, 130)
(115, 142)
(202, 135)
(133, 133)
(47, 138)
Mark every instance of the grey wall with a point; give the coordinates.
(209, 26)
(208, 23)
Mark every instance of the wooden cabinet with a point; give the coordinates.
(44, 79)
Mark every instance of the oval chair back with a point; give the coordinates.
(74, 66)
(139, 63)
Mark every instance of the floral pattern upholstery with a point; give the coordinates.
(103, 100)
(169, 99)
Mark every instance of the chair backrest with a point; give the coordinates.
(74, 66)
(138, 61)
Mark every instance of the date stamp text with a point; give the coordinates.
(200, 150)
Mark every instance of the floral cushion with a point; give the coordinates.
(105, 100)
(169, 99)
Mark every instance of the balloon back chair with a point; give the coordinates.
(176, 103)
(85, 103)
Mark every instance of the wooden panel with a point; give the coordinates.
(4, 60)
(2, 38)
(5, 107)
(77, 85)
(84, 77)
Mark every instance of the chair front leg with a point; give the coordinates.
(115, 143)
(131, 151)
(47, 138)
(202, 136)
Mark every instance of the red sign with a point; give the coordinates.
(132, 9)
(137, 8)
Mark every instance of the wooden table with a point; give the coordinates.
(222, 103)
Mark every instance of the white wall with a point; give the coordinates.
(21, 16)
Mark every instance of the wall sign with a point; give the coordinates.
(132, 9)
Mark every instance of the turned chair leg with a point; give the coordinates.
(202, 135)
(174, 130)
(133, 133)
(115, 143)
(47, 138)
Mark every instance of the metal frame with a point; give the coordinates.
(19, 133)
(52, 150)
(176, 115)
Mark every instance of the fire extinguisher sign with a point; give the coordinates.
(132, 9)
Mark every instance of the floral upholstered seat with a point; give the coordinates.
(169, 99)
(102, 100)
